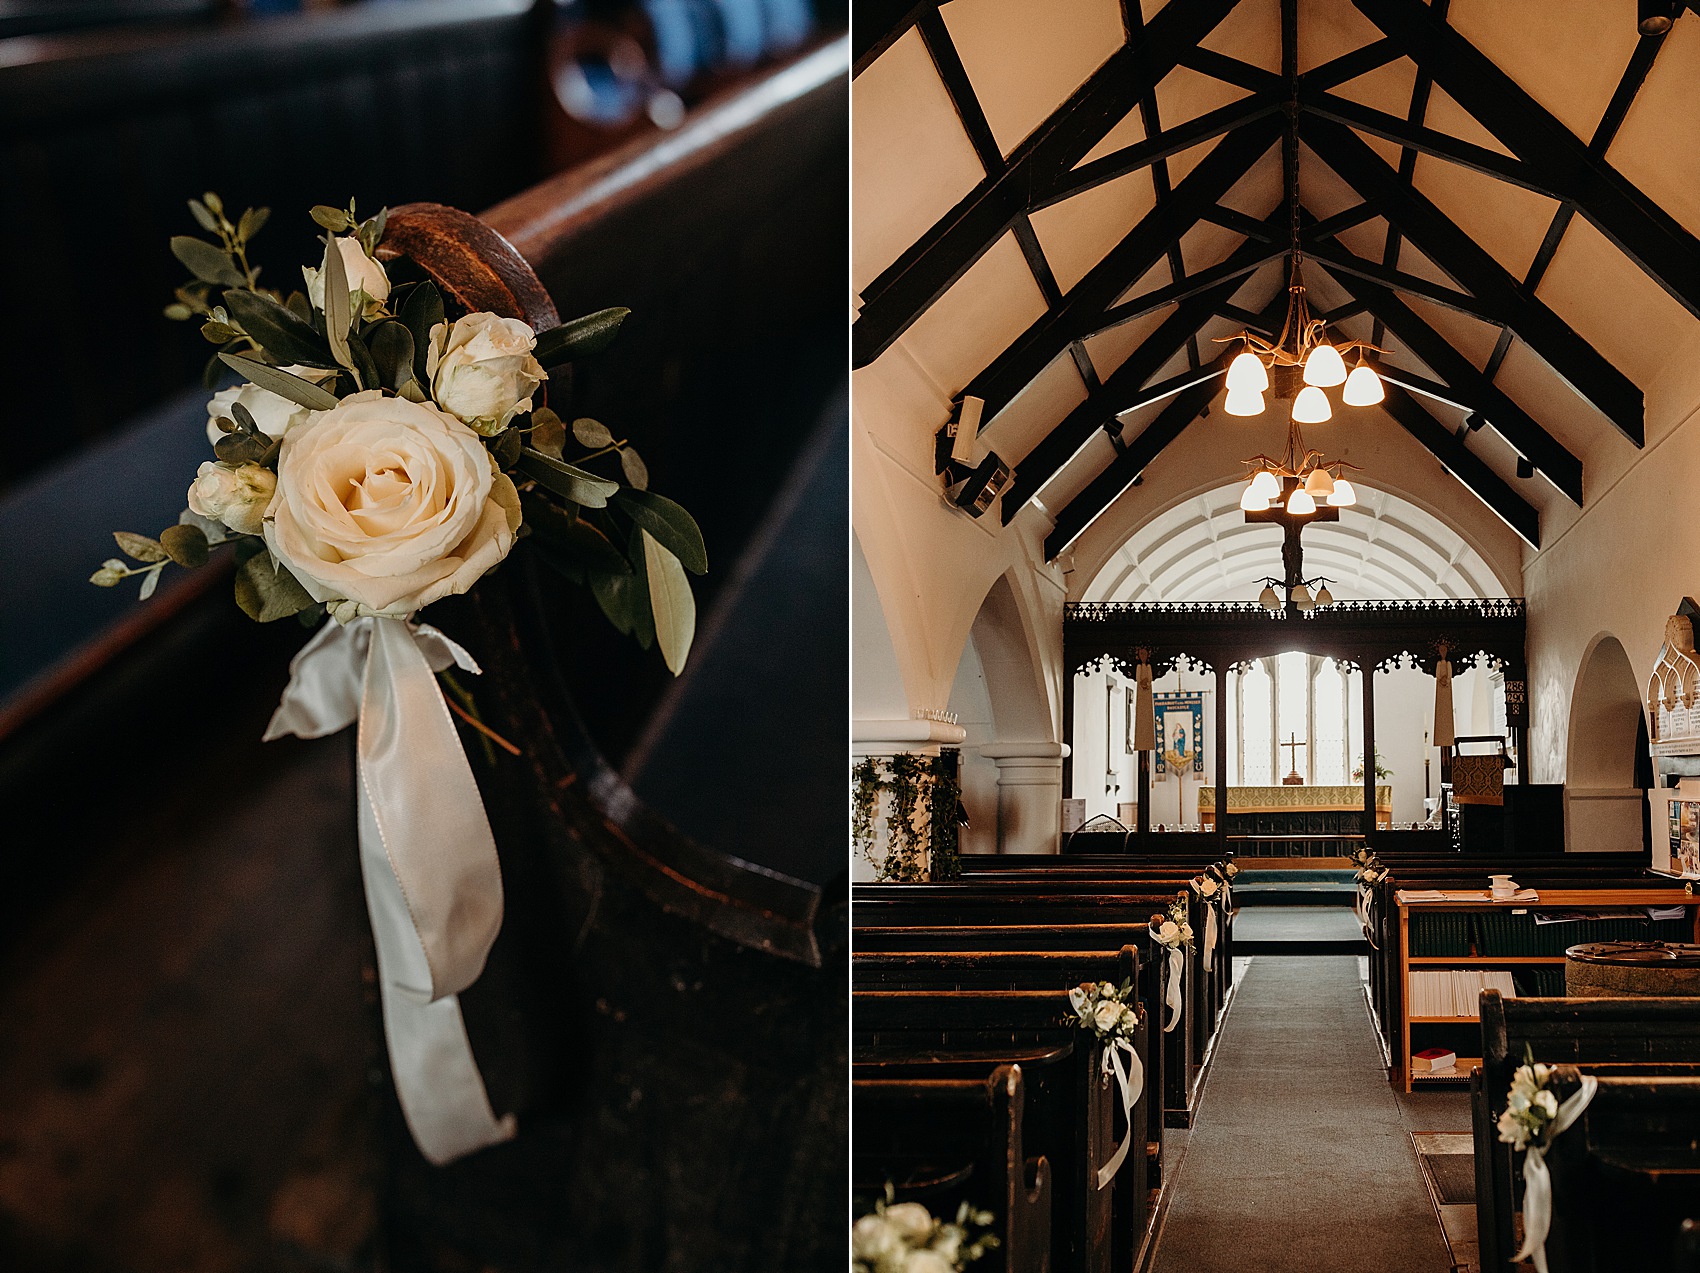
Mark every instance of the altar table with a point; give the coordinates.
(1295, 800)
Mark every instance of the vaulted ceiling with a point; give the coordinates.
(1060, 206)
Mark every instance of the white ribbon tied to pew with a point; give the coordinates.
(1131, 1076)
(427, 854)
(1537, 1179)
(1209, 937)
(1172, 988)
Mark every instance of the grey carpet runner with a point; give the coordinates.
(1299, 1159)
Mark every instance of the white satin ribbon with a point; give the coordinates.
(428, 857)
(1172, 990)
(1537, 1178)
(1209, 936)
(1132, 1080)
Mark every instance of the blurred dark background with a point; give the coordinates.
(189, 1062)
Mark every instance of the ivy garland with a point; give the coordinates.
(864, 805)
(906, 843)
(946, 796)
(921, 823)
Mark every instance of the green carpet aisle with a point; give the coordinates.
(1300, 1159)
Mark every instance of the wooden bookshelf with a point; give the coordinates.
(1546, 900)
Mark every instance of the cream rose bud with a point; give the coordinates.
(273, 413)
(482, 369)
(364, 274)
(872, 1240)
(1169, 931)
(384, 505)
(1109, 1012)
(910, 1221)
(236, 495)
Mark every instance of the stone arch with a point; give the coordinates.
(1604, 806)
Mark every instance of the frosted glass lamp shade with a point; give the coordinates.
(1324, 367)
(1269, 599)
(1301, 503)
(1301, 597)
(1243, 402)
(1266, 485)
(1343, 495)
(1311, 406)
(1363, 387)
(1320, 484)
(1252, 502)
(1324, 597)
(1247, 373)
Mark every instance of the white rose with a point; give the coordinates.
(482, 370)
(388, 505)
(1109, 1012)
(364, 274)
(872, 1239)
(1186, 932)
(910, 1221)
(1129, 1020)
(1545, 1100)
(236, 495)
(274, 414)
(1168, 932)
(927, 1262)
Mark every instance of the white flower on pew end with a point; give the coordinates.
(385, 505)
(482, 370)
(364, 276)
(235, 494)
(1530, 1107)
(273, 413)
(1108, 1014)
(1230, 870)
(1205, 886)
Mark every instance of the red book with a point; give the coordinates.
(1434, 1059)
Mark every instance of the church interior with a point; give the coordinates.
(1270, 630)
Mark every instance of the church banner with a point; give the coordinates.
(1180, 732)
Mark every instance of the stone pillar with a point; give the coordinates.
(1030, 791)
(890, 738)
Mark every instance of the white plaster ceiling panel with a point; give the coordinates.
(982, 314)
(1412, 261)
(1469, 336)
(1322, 191)
(1397, 354)
(1387, 88)
(1092, 459)
(1157, 276)
(1540, 391)
(1508, 221)
(1133, 422)
(1261, 190)
(1329, 29)
(1077, 232)
(1445, 115)
(1614, 306)
(1322, 290)
(1033, 412)
(1261, 286)
(1658, 147)
(1110, 349)
(1566, 54)
(1207, 244)
(1024, 59)
(1127, 132)
(910, 160)
(1250, 32)
(1366, 239)
(1185, 94)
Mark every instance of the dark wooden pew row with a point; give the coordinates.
(1215, 980)
(946, 970)
(1072, 1116)
(1625, 1175)
(1172, 1054)
(942, 1141)
(1599, 1035)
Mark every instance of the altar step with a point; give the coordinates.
(1298, 930)
(1259, 887)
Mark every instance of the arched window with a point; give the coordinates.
(1257, 727)
(1292, 714)
(1330, 766)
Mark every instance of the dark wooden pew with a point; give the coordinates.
(942, 1141)
(1625, 1175)
(1599, 1035)
(1074, 1112)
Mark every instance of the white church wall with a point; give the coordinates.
(971, 703)
(1098, 750)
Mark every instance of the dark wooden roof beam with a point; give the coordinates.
(1236, 266)
(1339, 261)
(948, 63)
(1328, 227)
(926, 270)
(1468, 467)
(1231, 70)
(876, 25)
(1251, 227)
(1348, 66)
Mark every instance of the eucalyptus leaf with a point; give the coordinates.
(338, 316)
(186, 545)
(412, 390)
(298, 304)
(632, 465)
(671, 602)
(284, 335)
(391, 344)
(150, 581)
(267, 591)
(581, 337)
(106, 576)
(575, 538)
(505, 446)
(333, 219)
(211, 199)
(361, 357)
(548, 434)
(674, 528)
(299, 391)
(179, 312)
(568, 480)
(592, 433)
(206, 262)
(242, 448)
(139, 546)
(252, 220)
(244, 419)
(219, 333)
(422, 311)
(203, 215)
(625, 600)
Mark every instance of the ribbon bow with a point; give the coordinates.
(1537, 1179)
(1209, 937)
(428, 857)
(1132, 1080)
(1172, 988)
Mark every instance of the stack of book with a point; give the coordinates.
(1455, 992)
(1432, 1059)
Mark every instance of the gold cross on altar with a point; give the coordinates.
(1293, 779)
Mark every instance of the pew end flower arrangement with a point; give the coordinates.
(379, 454)
(1108, 1013)
(904, 1237)
(1172, 934)
(1533, 1118)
